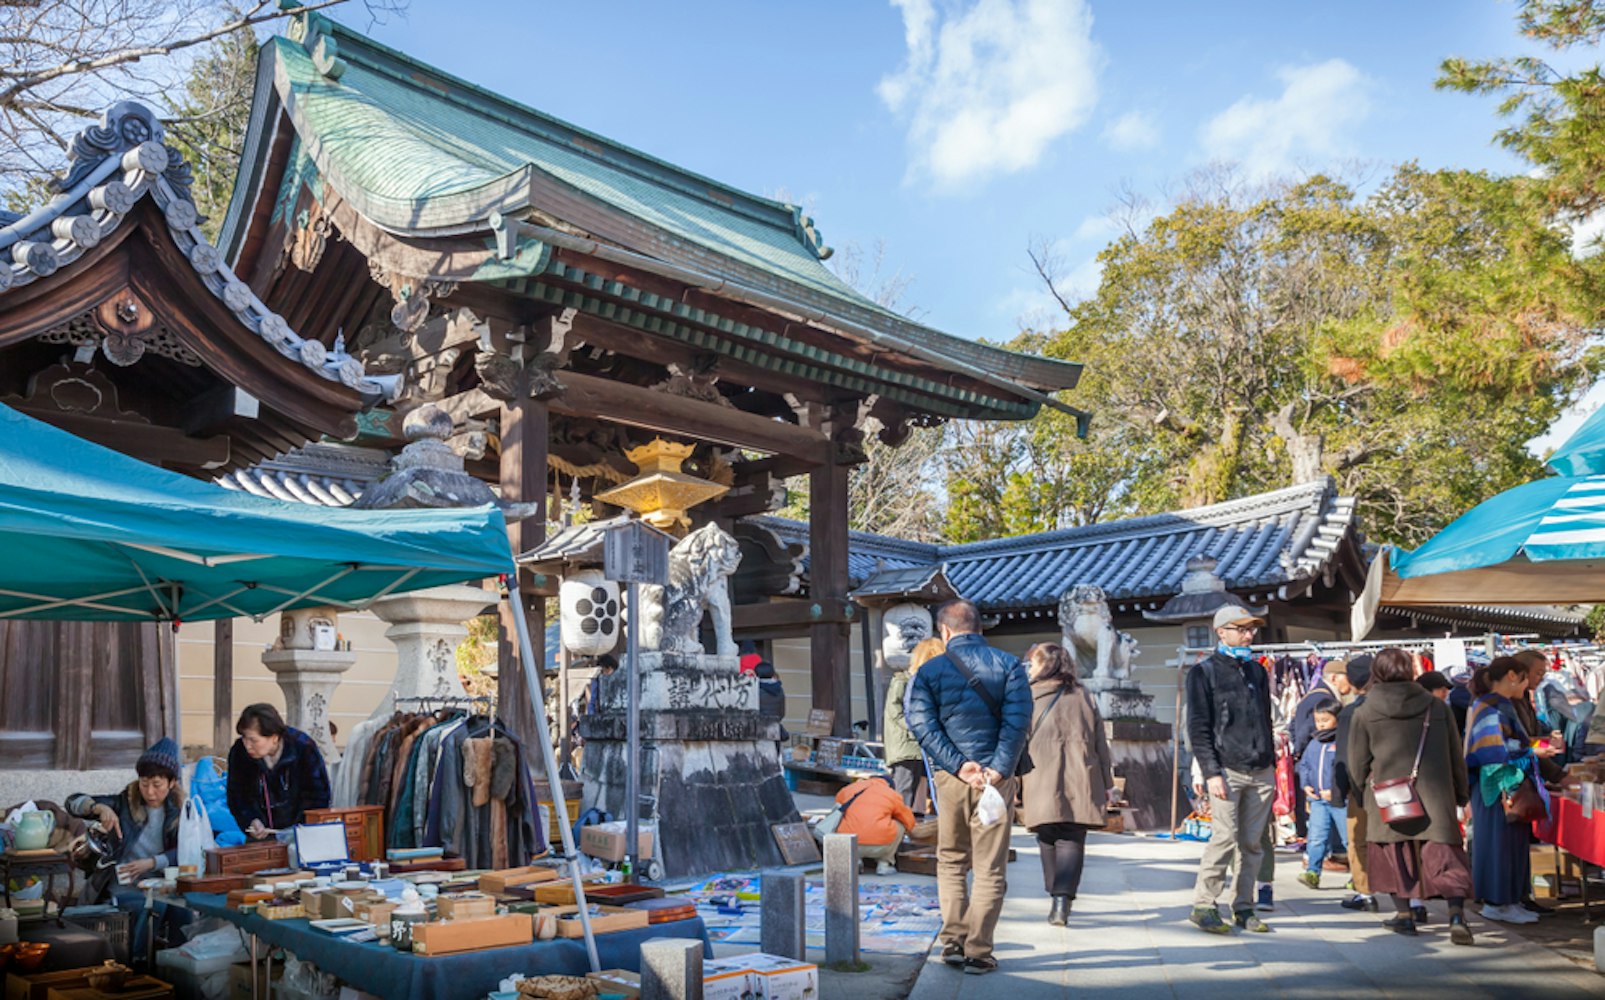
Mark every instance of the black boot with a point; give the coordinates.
(1059, 913)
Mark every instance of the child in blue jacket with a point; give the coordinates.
(1327, 820)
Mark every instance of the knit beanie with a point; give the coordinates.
(163, 754)
(1360, 670)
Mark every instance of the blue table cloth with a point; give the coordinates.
(397, 975)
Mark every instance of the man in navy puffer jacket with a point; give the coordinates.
(972, 728)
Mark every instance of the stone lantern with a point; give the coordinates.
(307, 665)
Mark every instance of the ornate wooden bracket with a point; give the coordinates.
(128, 323)
(697, 380)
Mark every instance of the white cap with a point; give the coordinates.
(1236, 614)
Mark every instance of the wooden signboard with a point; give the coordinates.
(797, 845)
(830, 754)
(820, 722)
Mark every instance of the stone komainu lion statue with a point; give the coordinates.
(1089, 632)
(699, 566)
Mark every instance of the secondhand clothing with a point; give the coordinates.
(963, 845)
(900, 743)
(1229, 716)
(1072, 769)
(1237, 835)
(146, 832)
(954, 724)
(872, 809)
(1382, 746)
(277, 797)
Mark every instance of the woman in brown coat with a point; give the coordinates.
(1423, 857)
(1070, 785)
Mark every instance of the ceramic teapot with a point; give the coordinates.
(32, 830)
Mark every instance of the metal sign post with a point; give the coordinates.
(634, 553)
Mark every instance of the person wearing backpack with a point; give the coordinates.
(1069, 789)
(970, 709)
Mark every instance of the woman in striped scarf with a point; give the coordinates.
(1499, 757)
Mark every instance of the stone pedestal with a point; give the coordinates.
(308, 678)
(1141, 753)
(1120, 698)
(427, 626)
(710, 772)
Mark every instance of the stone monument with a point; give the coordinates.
(710, 776)
(307, 666)
(1139, 744)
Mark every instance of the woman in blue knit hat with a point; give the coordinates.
(143, 818)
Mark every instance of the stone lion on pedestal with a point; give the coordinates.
(700, 564)
(1088, 630)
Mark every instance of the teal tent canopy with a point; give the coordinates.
(1582, 454)
(88, 533)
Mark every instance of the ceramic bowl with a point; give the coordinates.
(30, 955)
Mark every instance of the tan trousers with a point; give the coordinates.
(970, 913)
(1237, 834)
(883, 852)
(1357, 842)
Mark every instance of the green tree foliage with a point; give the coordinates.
(1407, 343)
(209, 121)
(1555, 118)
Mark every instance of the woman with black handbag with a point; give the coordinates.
(1404, 750)
(1509, 797)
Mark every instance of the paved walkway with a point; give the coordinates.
(1128, 937)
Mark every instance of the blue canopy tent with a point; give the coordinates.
(90, 533)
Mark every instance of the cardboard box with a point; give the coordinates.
(239, 980)
(621, 981)
(604, 920)
(606, 842)
(465, 906)
(448, 937)
(506, 878)
(775, 977)
(136, 988)
(727, 979)
(36, 985)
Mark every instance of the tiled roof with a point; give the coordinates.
(332, 475)
(1263, 543)
(113, 166)
(422, 153)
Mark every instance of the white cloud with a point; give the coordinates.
(1318, 106)
(1588, 233)
(1132, 132)
(988, 86)
(1098, 228)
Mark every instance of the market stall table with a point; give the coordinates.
(1581, 837)
(380, 969)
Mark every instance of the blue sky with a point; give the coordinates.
(953, 134)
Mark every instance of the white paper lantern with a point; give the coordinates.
(590, 613)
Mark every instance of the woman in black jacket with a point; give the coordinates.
(275, 773)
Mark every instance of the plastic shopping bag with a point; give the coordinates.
(194, 835)
(990, 809)
(208, 785)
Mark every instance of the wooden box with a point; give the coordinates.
(662, 911)
(247, 858)
(244, 897)
(136, 988)
(561, 892)
(365, 829)
(37, 985)
(621, 981)
(220, 884)
(506, 878)
(428, 865)
(604, 920)
(465, 906)
(376, 912)
(448, 937)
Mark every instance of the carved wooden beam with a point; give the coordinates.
(211, 412)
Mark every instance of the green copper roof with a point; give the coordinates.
(422, 153)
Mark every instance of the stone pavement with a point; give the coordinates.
(1128, 937)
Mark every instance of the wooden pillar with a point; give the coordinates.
(565, 732)
(829, 642)
(222, 685)
(525, 433)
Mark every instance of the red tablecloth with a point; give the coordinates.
(1568, 830)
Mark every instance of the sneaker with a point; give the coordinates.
(1207, 919)
(885, 868)
(1401, 924)
(1264, 899)
(1459, 933)
(1418, 913)
(1359, 902)
(953, 953)
(980, 966)
(1248, 920)
(1310, 879)
(1510, 913)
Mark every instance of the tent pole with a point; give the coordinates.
(537, 695)
(632, 746)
